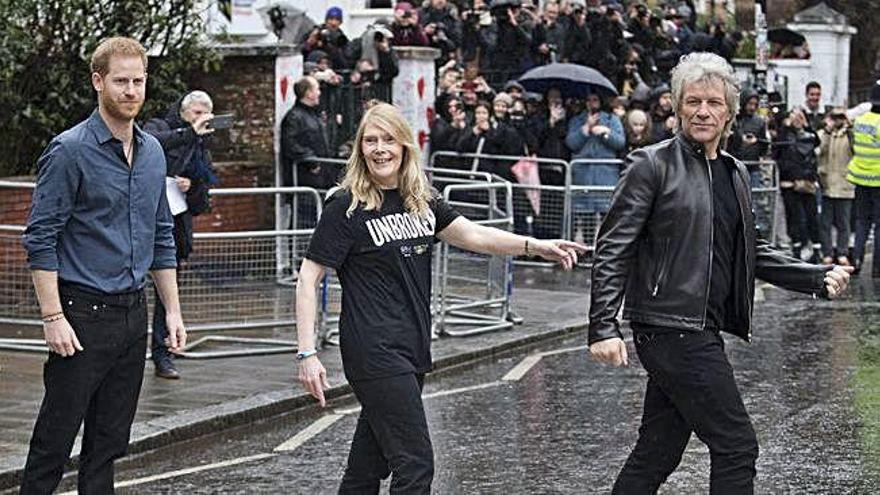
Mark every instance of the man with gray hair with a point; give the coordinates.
(680, 242)
(183, 133)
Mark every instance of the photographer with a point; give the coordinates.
(608, 47)
(577, 37)
(374, 46)
(406, 28)
(550, 35)
(329, 38)
(323, 71)
(474, 20)
(506, 43)
(183, 132)
(440, 21)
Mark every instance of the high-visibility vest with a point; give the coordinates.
(864, 168)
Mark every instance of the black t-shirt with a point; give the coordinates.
(728, 231)
(383, 259)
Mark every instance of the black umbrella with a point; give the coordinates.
(572, 80)
(505, 4)
(785, 36)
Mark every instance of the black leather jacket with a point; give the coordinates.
(655, 245)
(304, 138)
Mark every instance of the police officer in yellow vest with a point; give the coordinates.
(864, 172)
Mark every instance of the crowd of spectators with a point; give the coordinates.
(481, 107)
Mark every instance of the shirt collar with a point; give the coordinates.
(102, 132)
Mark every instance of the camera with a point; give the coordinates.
(326, 37)
(407, 14)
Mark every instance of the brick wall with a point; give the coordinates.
(15, 202)
(15, 283)
(237, 213)
(244, 86)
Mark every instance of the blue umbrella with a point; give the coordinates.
(572, 80)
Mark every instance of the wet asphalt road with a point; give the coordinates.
(567, 425)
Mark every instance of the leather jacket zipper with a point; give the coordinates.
(711, 238)
(664, 263)
(741, 198)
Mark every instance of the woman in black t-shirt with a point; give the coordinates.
(378, 231)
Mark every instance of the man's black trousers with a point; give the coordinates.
(391, 437)
(690, 389)
(99, 385)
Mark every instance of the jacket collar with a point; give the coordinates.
(698, 150)
(693, 147)
(315, 109)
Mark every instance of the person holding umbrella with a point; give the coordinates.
(378, 231)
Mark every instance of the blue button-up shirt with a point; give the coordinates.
(94, 220)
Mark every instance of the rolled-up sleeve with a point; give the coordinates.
(58, 179)
(164, 253)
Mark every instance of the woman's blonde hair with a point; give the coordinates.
(411, 181)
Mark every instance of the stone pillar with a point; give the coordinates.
(414, 89)
(828, 34)
(288, 69)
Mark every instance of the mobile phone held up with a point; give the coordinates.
(222, 121)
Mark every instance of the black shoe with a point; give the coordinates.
(165, 369)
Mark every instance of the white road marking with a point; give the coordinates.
(325, 422)
(351, 410)
(328, 420)
(565, 350)
(444, 393)
(310, 431)
(526, 365)
(522, 368)
(183, 472)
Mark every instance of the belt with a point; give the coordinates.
(122, 299)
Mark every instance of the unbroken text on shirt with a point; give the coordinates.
(400, 226)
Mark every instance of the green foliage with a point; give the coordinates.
(867, 403)
(746, 48)
(45, 47)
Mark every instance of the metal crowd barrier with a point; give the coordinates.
(243, 280)
(572, 207)
(469, 290)
(540, 205)
(18, 302)
(473, 292)
(764, 177)
(590, 201)
(232, 281)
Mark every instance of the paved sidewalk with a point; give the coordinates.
(218, 393)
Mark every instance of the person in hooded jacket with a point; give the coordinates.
(749, 140)
(183, 133)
